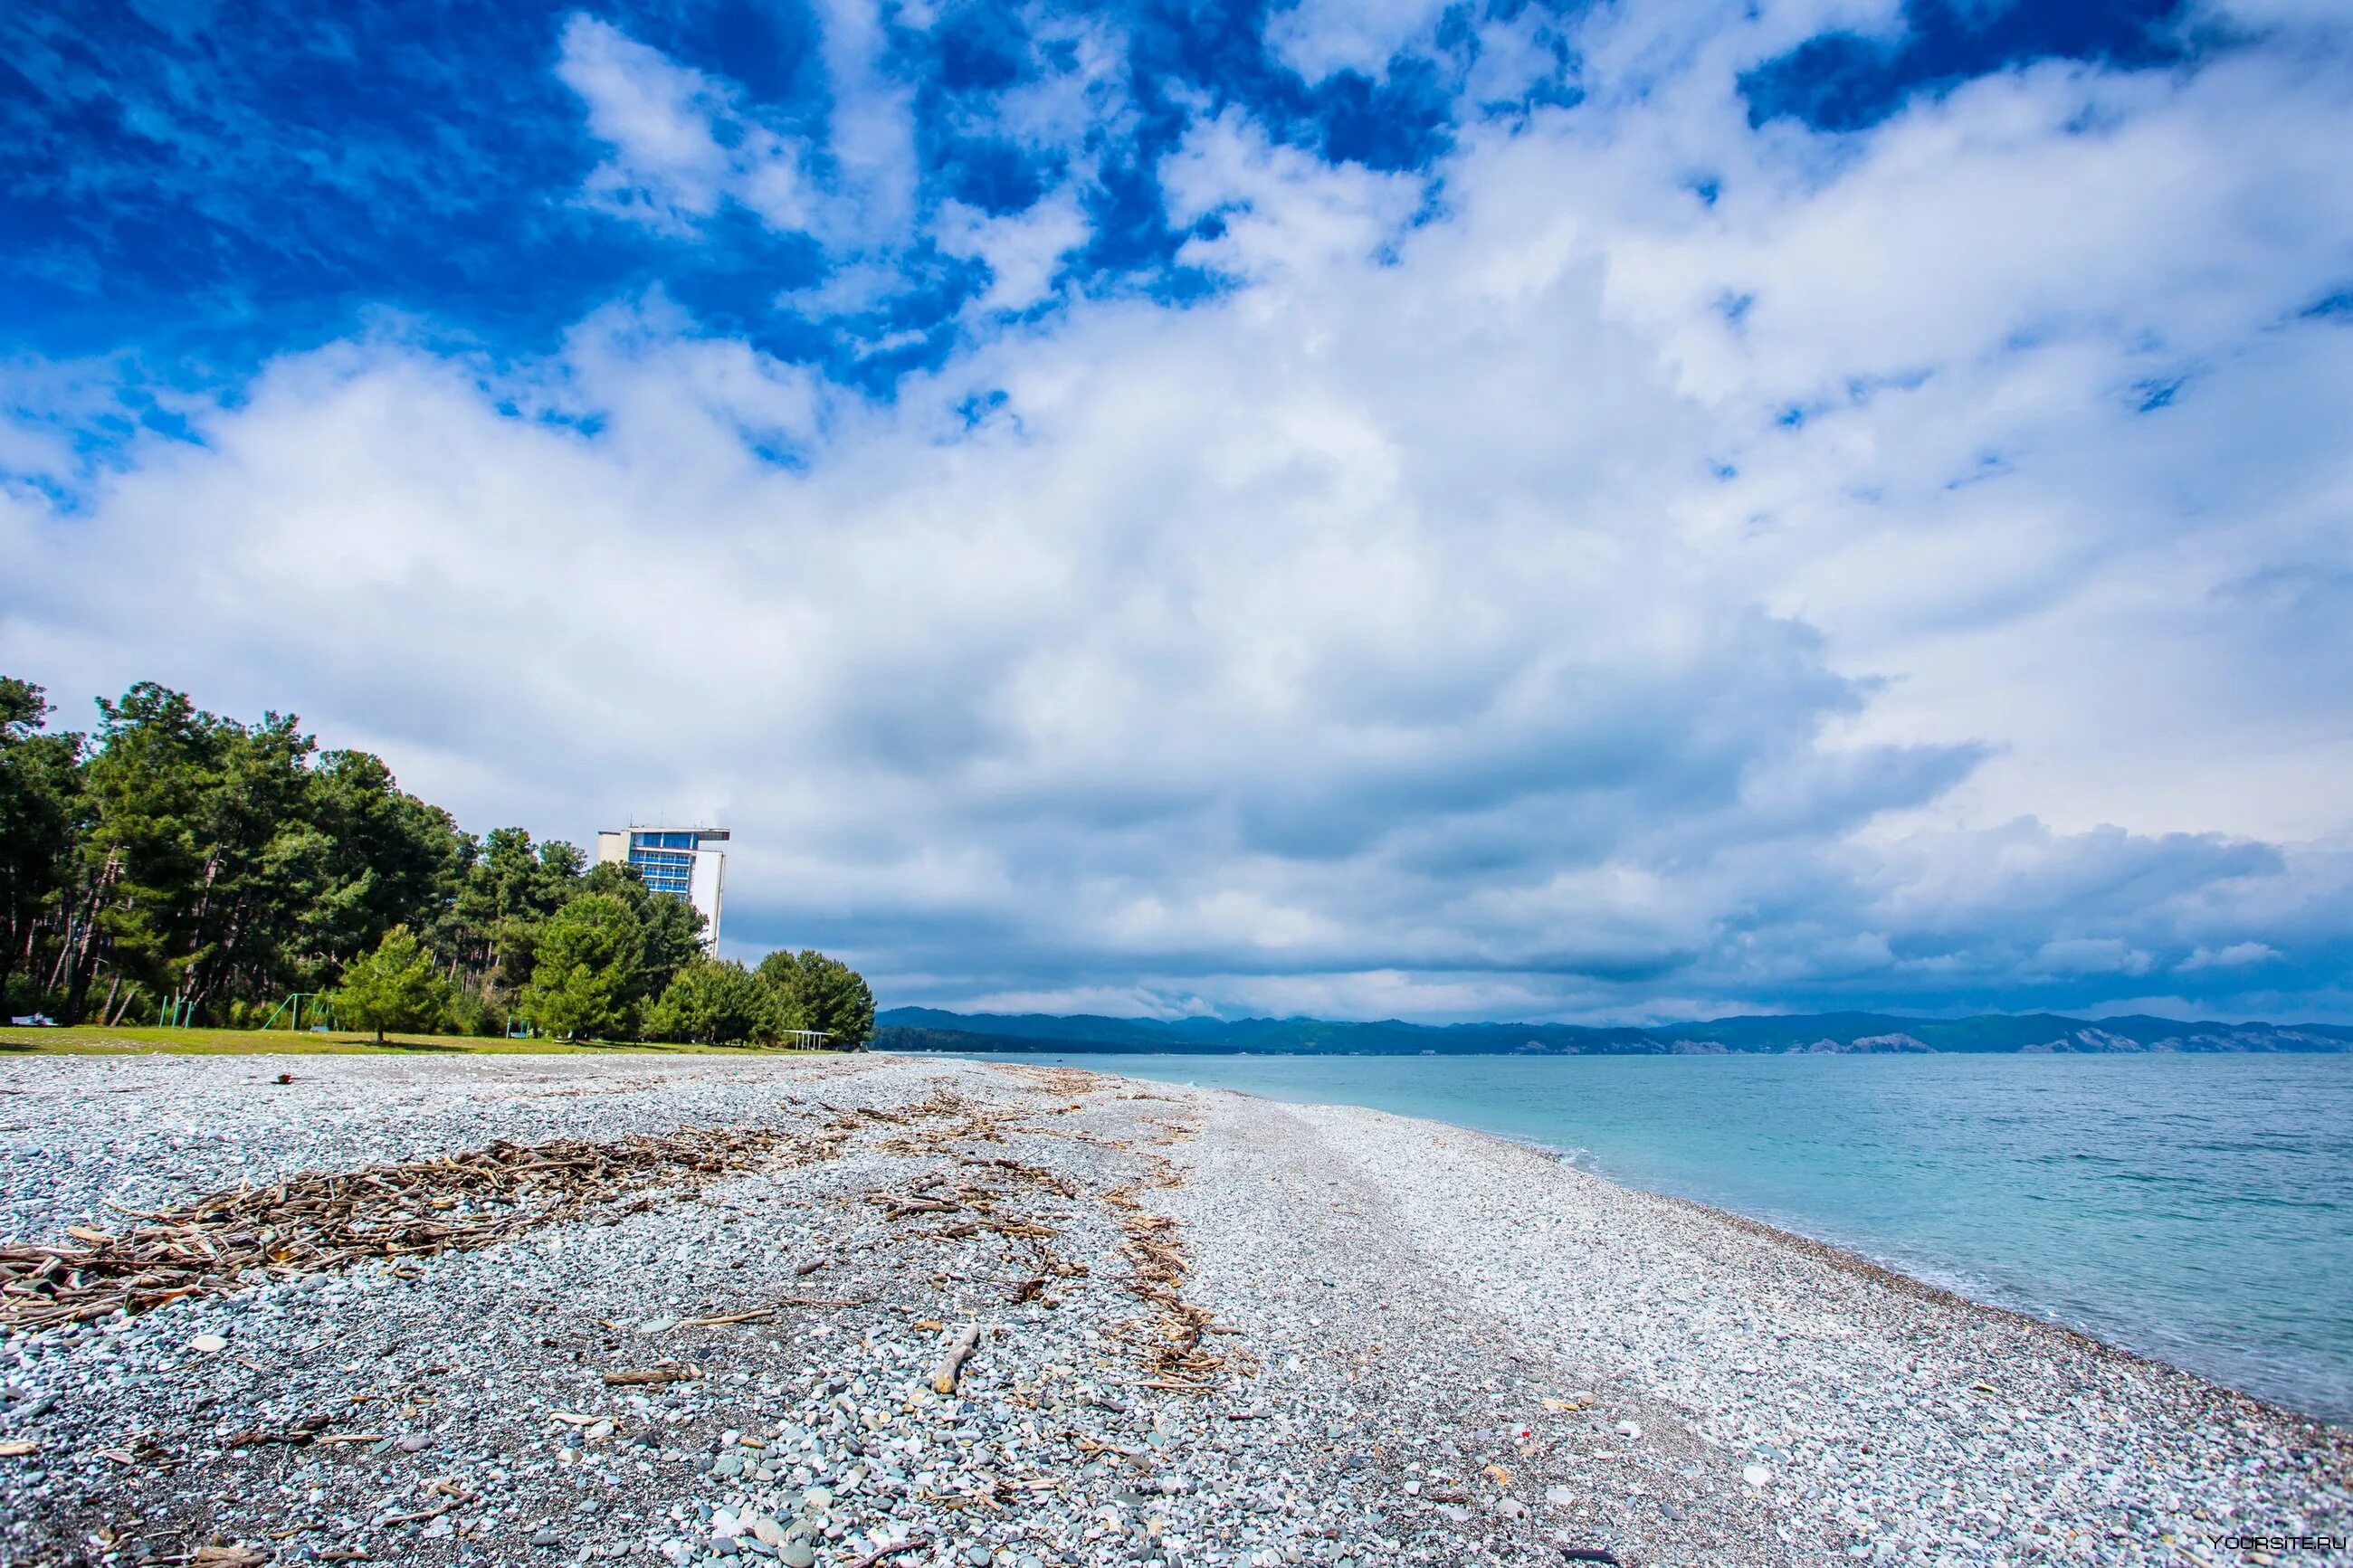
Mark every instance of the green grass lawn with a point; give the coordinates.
(92, 1040)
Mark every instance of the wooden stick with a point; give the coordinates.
(944, 1381)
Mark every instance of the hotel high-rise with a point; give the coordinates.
(687, 861)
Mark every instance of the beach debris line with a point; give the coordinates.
(319, 1220)
(1171, 1342)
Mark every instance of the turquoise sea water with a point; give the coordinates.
(2196, 1209)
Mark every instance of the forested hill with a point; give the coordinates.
(928, 1028)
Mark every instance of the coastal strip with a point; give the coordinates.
(1020, 1315)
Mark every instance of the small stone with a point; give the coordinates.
(1628, 1429)
(797, 1554)
(979, 1556)
(1757, 1475)
(600, 1431)
(210, 1344)
(1560, 1497)
(546, 1538)
(415, 1443)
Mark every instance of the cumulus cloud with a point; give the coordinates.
(2238, 955)
(1276, 208)
(1022, 250)
(1318, 37)
(1640, 564)
(681, 142)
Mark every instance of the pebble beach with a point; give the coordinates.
(955, 1313)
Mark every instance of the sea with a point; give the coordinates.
(2198, 1209)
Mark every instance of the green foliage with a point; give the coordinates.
(384, 855)
(472, 1013)
(672, 928)
(200, 852)
(509, 890)
(713, 1002)
(398, 986)
(42, 814)
(585, 982)
(815, 992)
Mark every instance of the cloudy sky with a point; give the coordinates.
(1360, 507)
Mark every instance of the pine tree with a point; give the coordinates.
(584, 982)
(713, 1002)
(821, 993)
(397, 986)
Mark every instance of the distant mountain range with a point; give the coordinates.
(930, 1028)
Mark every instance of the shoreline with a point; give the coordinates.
(1208, 1331)
(1892, 1277)
(1922, 1273)
(1855, 1261)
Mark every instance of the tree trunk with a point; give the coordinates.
(78, 951)
(83, 972)
(65, 954)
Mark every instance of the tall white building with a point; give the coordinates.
(687, 861)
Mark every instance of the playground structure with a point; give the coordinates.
(320, 1003)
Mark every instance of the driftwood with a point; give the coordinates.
(319, 1220)
(892, 1549)
(951, 1367)
(899, 1205)
(1171, 1342)
(669, 1372)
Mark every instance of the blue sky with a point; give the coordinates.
(1362, 507)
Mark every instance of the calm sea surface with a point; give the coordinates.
(2198, 1209)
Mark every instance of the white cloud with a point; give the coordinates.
(1282, 209)
(2238, 955)
(2090, 956)
(669, 168)
(1023, 251)
(873, 132)
(1319, 38)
